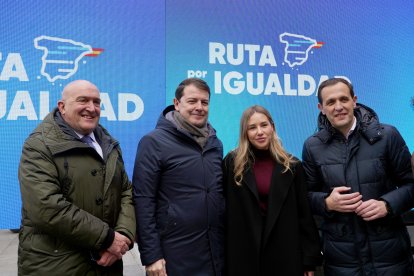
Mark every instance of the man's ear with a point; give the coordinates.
(355, 100)
(321, 108)
(176, 102)
(61, 107)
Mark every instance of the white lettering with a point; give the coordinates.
(123, 100)
(302, 81)
(259, 83)
(196, 73)
(43, 104)
(22, 106)
(216, 53)
(230, 54)
(217, 82)
(234, 54)
(254, 83)
(288, 90)
(107, 110)
(13, 68)
(252, 49)
(267, 57)
(130, 106)
(237, 87)
(3, 101)
(273, 85)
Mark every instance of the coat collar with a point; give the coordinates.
(250, 182)
(167, 124)
(367, 124)
(59, 137)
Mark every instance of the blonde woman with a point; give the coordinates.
(270, 229)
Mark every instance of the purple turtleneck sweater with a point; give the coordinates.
(263, 169)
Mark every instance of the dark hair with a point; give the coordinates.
(333, 81)
(199, 83)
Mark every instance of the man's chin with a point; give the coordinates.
(199, 124)
(88, 129)
(341, 125)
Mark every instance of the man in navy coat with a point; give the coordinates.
(178, 189)
(360, 182)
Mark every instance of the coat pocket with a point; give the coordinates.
(338, 243)
(46, 244)
(166, 220)
(390, 242)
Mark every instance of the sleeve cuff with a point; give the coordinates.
(109, 239)
(132, 242)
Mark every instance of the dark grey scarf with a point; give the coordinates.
(200, 134)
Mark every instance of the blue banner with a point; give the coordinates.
(46, 44)
(272, 53)
(275, 53)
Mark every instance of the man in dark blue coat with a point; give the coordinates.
(178, 189)
(360, 182)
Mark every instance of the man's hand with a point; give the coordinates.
(372, 209)
(341, 201)
(119, 246)
(157, 268)
(107, 258)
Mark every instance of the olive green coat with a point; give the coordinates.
(71, 197)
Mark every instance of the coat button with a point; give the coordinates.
(99, 200)
(94, 172)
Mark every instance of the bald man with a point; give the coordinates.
(78, 216)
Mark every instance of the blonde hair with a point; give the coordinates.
(244, 156)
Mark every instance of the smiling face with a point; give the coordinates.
(193, 105)
(338, 106)
(259, 131)
(80, 106)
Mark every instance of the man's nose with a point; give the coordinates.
(338, 106)
(90, 106)
(199, 105)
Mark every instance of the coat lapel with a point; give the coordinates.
(250, 181)
(279, 189)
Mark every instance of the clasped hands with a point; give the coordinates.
(342, 200)
(119, 247)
